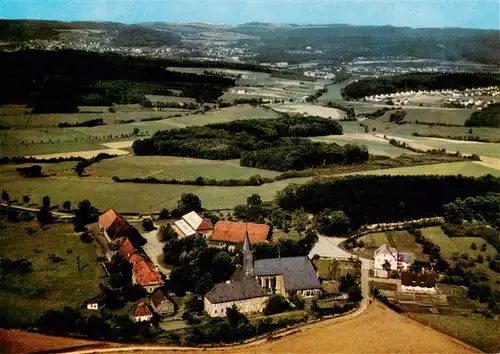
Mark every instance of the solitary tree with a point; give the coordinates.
(387, 267)
(189, 202)
(254, 200)
(44, 215)
(26, 199)
(5, 196)
(67, 205)
(85, 214)
(332, 222)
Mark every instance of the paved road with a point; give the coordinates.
(154, 249)
(35, 210)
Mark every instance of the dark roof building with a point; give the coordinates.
(234, 290)
(424, 280)
(298, 272)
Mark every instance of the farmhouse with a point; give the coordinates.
(113, 225)
(96, 303)
(193, 224)
(230, 233)
(424, 282)
(141, 313)
(245, 293)
(161, 304)
(144, 273)
(399, 261)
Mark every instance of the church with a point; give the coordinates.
(251, 285)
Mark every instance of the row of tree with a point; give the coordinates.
(372, 199)
(421, 81)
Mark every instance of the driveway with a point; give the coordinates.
(329, 247)
(154, 250)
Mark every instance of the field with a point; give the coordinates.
(14, 342)
(51, 285)
(460, 245)
(375, 145)
(403, 241)
(309, 109)
(49, 140)
(482, 333)
(432, 115)
(171, 167)
(377, 330)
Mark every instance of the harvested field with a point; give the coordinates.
(377, 330)
(310, 109)
(173, 167)
(119, 144)
(14, 341)
(85, 154)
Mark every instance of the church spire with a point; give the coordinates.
(247, 256)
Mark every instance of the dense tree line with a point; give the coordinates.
(31, 171)
(88, 123)
(377, 114)
(84, 163)
(229, 140)
(59, 81)
(371, 199)
(487, 117)
(397, 117)
(351, 114)
(300, 154)
(22, 159)
(424, 81)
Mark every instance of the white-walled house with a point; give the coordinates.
(400, 261)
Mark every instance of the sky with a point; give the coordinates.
(410, 13)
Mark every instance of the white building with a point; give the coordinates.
(399, 261)
(193, 224)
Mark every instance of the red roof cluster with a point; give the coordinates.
(144, 271)
(113, 222)
(234, 232)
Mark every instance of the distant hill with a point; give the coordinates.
(339, 42)
(121, 34)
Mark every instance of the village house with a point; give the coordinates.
(245, 293)
(161, 304)
(141, 313)
(418, 282)
(113, 225)
(228, 233)
(144, 273)
(96, 303)
(193, 224)
(399, 261)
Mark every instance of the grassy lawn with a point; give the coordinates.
(134, 197)
(279, 234)
(429, 115)
(172, 167)
(323, 267)
(460, 245)
(401, 240)
(51, 285)
(482, 333)
(465, 168)
(375, 146)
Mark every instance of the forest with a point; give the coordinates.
(487, 117)
(69, 78)
(373, 199)
(299, 154)
(424, 81)
(265, 143)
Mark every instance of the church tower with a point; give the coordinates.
(247, 257)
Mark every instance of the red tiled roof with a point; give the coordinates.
(205, 225)
(233, 232)
(158, 297)
(113, 222)
(144, 272)
(142, 310)
(127, 249)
